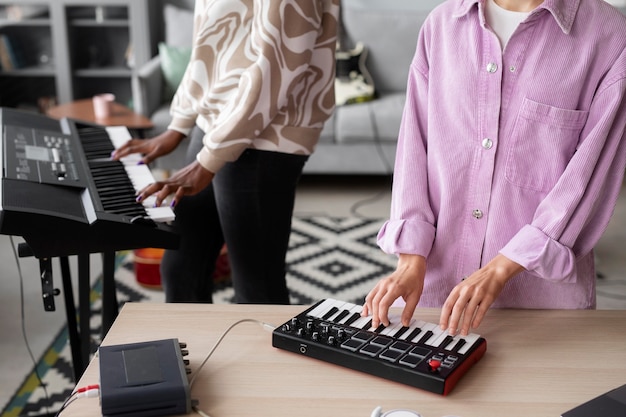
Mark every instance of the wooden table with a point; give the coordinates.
(83, 110)
(538, 363)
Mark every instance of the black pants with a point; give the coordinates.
(248, 206)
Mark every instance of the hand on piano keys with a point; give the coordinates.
(417, 331)
(139, 174)
(189, 180)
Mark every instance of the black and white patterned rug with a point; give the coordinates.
(328, 257)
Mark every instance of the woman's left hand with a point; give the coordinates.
(188, 181)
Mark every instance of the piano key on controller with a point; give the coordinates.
(413, 330)
(468, 341)
(395, 324)
(353, 315)
(418, 331)
(322, 308)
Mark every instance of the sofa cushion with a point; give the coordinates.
(328, 132)
(174, 61)
(389, 30)
(377, 120)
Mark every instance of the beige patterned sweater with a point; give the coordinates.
(261, 76)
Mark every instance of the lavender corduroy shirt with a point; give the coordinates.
(520, 152)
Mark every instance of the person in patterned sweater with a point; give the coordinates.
(253, 101)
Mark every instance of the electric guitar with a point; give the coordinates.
(353, 83)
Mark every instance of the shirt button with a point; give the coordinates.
(487, 143)
(512, 68)
(492, 67)
(477, 213)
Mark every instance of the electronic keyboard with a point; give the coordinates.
(64, 195)
(420, 355)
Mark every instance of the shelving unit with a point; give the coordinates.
(72, 49)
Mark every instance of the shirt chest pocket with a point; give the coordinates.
(543, 141)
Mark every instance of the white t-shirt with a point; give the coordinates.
(502, 21)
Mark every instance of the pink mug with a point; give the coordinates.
(103, 105)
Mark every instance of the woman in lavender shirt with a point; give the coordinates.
(511, 156)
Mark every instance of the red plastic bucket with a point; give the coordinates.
(147, 264)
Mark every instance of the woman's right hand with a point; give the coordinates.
(151, 148)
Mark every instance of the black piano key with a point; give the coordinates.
(354, 317)
(130, 212)
(121, 205)
(103, 172)
(341, 315)
(446, 341)
(458, 345)
(330, 313)
(414, 333)
(116, 191)
(425, 337)
(367, 325)
(119, 202)
(380, 328)
(400, 332)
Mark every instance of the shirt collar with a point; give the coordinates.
(563, 11)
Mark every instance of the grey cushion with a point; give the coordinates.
(328, 132)
(377, 120)
(175, 160)
(161, 118)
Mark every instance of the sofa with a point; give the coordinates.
(359, 138)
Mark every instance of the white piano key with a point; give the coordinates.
(409, 328)
(414, 324)
(395, 323)
(323, 306)
(437, 332)
(337, 304)
(329, 306)
(470, 339)
(160, 214)
(340, 309)
(426, 327)
(438, 340)
(119, 135)
(333, 317)
(454, 341)
(362, 322)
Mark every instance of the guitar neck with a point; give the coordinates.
(342, 45)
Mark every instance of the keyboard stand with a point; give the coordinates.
(79, 331)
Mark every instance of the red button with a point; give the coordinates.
(434, 364)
